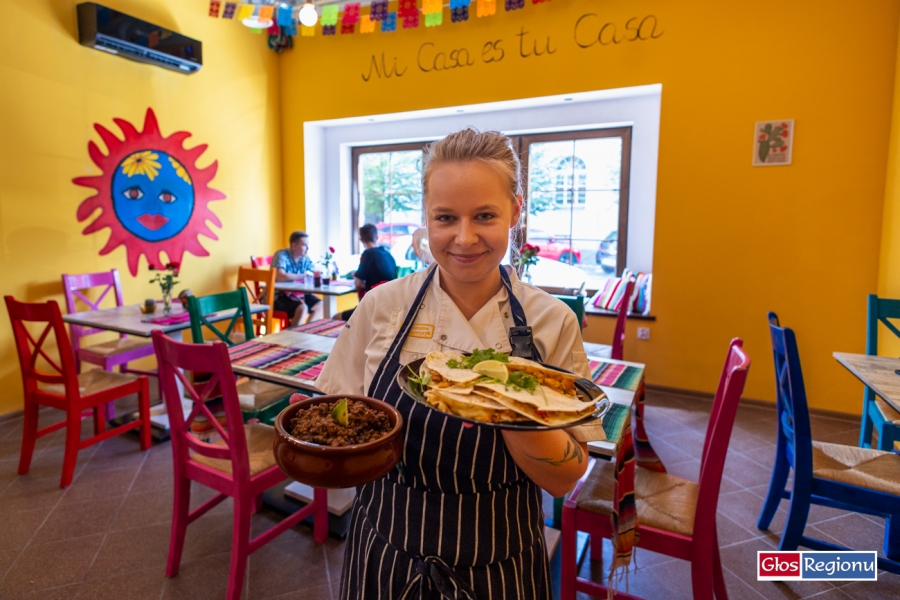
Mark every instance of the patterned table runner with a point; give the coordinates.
(325, 327)
(168, 319)
(293, 362)
(616, 375)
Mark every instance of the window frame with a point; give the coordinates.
(525, 140)
(355, 153)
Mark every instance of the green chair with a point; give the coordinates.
(403, 271)
(206, 305)
(576, 303)
(259, 399)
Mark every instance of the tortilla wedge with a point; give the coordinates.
(436, 362)
(545, 405)
(472, 406)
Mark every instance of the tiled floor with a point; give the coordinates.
(107, 535)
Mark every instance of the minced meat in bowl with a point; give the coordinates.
(316, 424)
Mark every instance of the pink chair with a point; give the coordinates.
(619, 335)
(262, 262)
(241, 465)
(111, 354)
(64, 388)
(675, 517)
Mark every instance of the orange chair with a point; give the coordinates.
(259, 262)
(64, 388)
(257, 281)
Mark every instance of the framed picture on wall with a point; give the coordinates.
(773, 142)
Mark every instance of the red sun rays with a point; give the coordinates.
(187, 240)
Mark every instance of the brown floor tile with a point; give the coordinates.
(66, 592)
(738, 589)
(319, 593)
(745, 471)
(18, 528)
(334, 554)
(26, 492)
(144, 508)
(887, 586)
(283, 566)
(131, 550)
(97, 485)
(154, 475)
(56, 564)
(208, 535)
(70, 520)
(141, 585)
(850, 530)
(201, 579)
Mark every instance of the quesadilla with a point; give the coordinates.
(510, 389)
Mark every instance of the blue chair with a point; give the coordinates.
(846, 477)
(876, 413)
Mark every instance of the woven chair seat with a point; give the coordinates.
(872, 469)
(118, 346)
(259, 445)
(662, 501)
(254, 394)
(92, 382)
(887, 411)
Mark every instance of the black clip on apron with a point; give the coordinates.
(430, 575)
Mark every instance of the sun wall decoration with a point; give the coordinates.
(151, 195)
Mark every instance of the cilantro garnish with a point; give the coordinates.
(521, 380)
(476, 357)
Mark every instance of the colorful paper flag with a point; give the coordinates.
(514, 5)
(411, 21)
(285, 17)
(230, 7)
(291, 29)
(378, 10)
(486, 8)
(307, 31)
(459, 14)
(366, 25)
(214, 6)
(347, 28)
(246, 11)
(273, 29)
(265, 12)
(429, 7)
(434, 19)
(351, 13)
(406, 8)
(459, 4)
(389, 24)
(256, 31)
(328, 29)
(330, 14)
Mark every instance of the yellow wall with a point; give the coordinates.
(889, 265)
(52, 91)
(732, 241)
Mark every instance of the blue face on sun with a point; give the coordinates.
(152, 195)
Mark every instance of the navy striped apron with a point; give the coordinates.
(457, 518)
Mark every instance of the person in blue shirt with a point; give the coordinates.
(376, 265)
(292, 264)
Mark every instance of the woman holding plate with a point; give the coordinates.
(460, 516)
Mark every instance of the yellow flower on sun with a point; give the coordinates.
(180, 170)
(142, 163)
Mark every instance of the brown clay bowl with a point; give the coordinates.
(337, 466)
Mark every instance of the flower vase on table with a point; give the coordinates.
(528, 256)
(329, 266)
(166, 283)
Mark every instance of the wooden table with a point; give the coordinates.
(130, 320)
(876, 372)
(330, 292)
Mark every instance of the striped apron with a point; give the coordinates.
(457, 518)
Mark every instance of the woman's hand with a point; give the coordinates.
(553, 459)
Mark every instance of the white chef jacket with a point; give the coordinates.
(440, 326)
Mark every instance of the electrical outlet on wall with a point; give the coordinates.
(643, 333)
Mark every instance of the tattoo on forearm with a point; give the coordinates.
(573, 451)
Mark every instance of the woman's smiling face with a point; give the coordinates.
(468, 214)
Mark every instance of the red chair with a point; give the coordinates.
(675, 517)
(261, 262)
(619, 335)
(64, 388)
(241, 465)
(111, 354)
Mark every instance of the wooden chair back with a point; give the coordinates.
(200, 307)
(75, 288)
(33, 349)
(618, 345)
(260, 286)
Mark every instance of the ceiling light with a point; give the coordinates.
(255, 22)
(308, 16)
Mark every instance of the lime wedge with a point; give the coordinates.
(339, 413)
(493, 369)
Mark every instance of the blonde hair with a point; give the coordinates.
(489, 147)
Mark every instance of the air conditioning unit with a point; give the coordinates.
(115, 32)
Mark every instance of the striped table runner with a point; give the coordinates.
(616, 375)
(325, 327)
(293, 362)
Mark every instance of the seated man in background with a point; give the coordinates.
(292, 264)
(376, 265)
